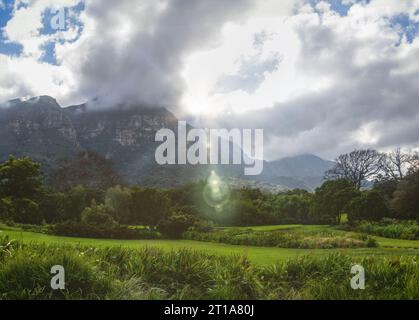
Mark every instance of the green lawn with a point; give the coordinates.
(258, 255)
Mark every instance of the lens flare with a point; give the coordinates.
(216, 192)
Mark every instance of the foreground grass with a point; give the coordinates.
(150, 273)
(257, 255)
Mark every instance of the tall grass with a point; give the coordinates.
(150, 273)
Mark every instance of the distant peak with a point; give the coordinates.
(43, 100)
(308, 156)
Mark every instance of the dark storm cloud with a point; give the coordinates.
(144, 65)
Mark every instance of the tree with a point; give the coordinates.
(119, 202)
(386, 188)
(396, 164)
(20, 178)
(245, 212)
(75, 200)
(27, 211)
(51, 204)
(20, 186)
(331, 199)
(370, 205)
(357, 166)
(294, 208)
(175, 225)
(149, 206)
(87, 169)
(406, 198)
(7, 209)
(414, 162)
(97, 215)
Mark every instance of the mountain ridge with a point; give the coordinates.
(39, 127)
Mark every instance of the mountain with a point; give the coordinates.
(302, 171)
(302, 166)
(40, 128)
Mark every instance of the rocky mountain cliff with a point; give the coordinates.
(40, 128)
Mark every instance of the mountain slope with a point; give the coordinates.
(302, 166)
(41, 129)
(37, 127)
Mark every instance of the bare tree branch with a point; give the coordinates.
(396, 164)
(357, 166)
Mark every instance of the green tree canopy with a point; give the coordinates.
(406, 197)
(370, 205)
(331, 199)
(149, 206)
(20, 178)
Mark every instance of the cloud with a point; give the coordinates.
(318, 77)
(128, 51)
(135, 51)
(369, 97)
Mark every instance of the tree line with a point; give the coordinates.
(100, 198)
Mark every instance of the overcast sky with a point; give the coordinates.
(320, 77)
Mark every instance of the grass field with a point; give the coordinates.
(258, 255)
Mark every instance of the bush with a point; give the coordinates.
(76, 229)
(97, 215)
(300, 240)
(408, 230)
(175, 225)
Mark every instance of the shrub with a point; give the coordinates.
(76, 229)
(408, 230)
(301, 240)
(97, 215)
(175, 225)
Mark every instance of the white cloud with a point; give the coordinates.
(343, 82)
(26, 24)
(316, 81)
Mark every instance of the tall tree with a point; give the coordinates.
(87, 169)
(370, 205)
(357, 166)
(149, 206)
(414, 162)
(396, 164)
(406, 197)
(331, 199)
(20, 178)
